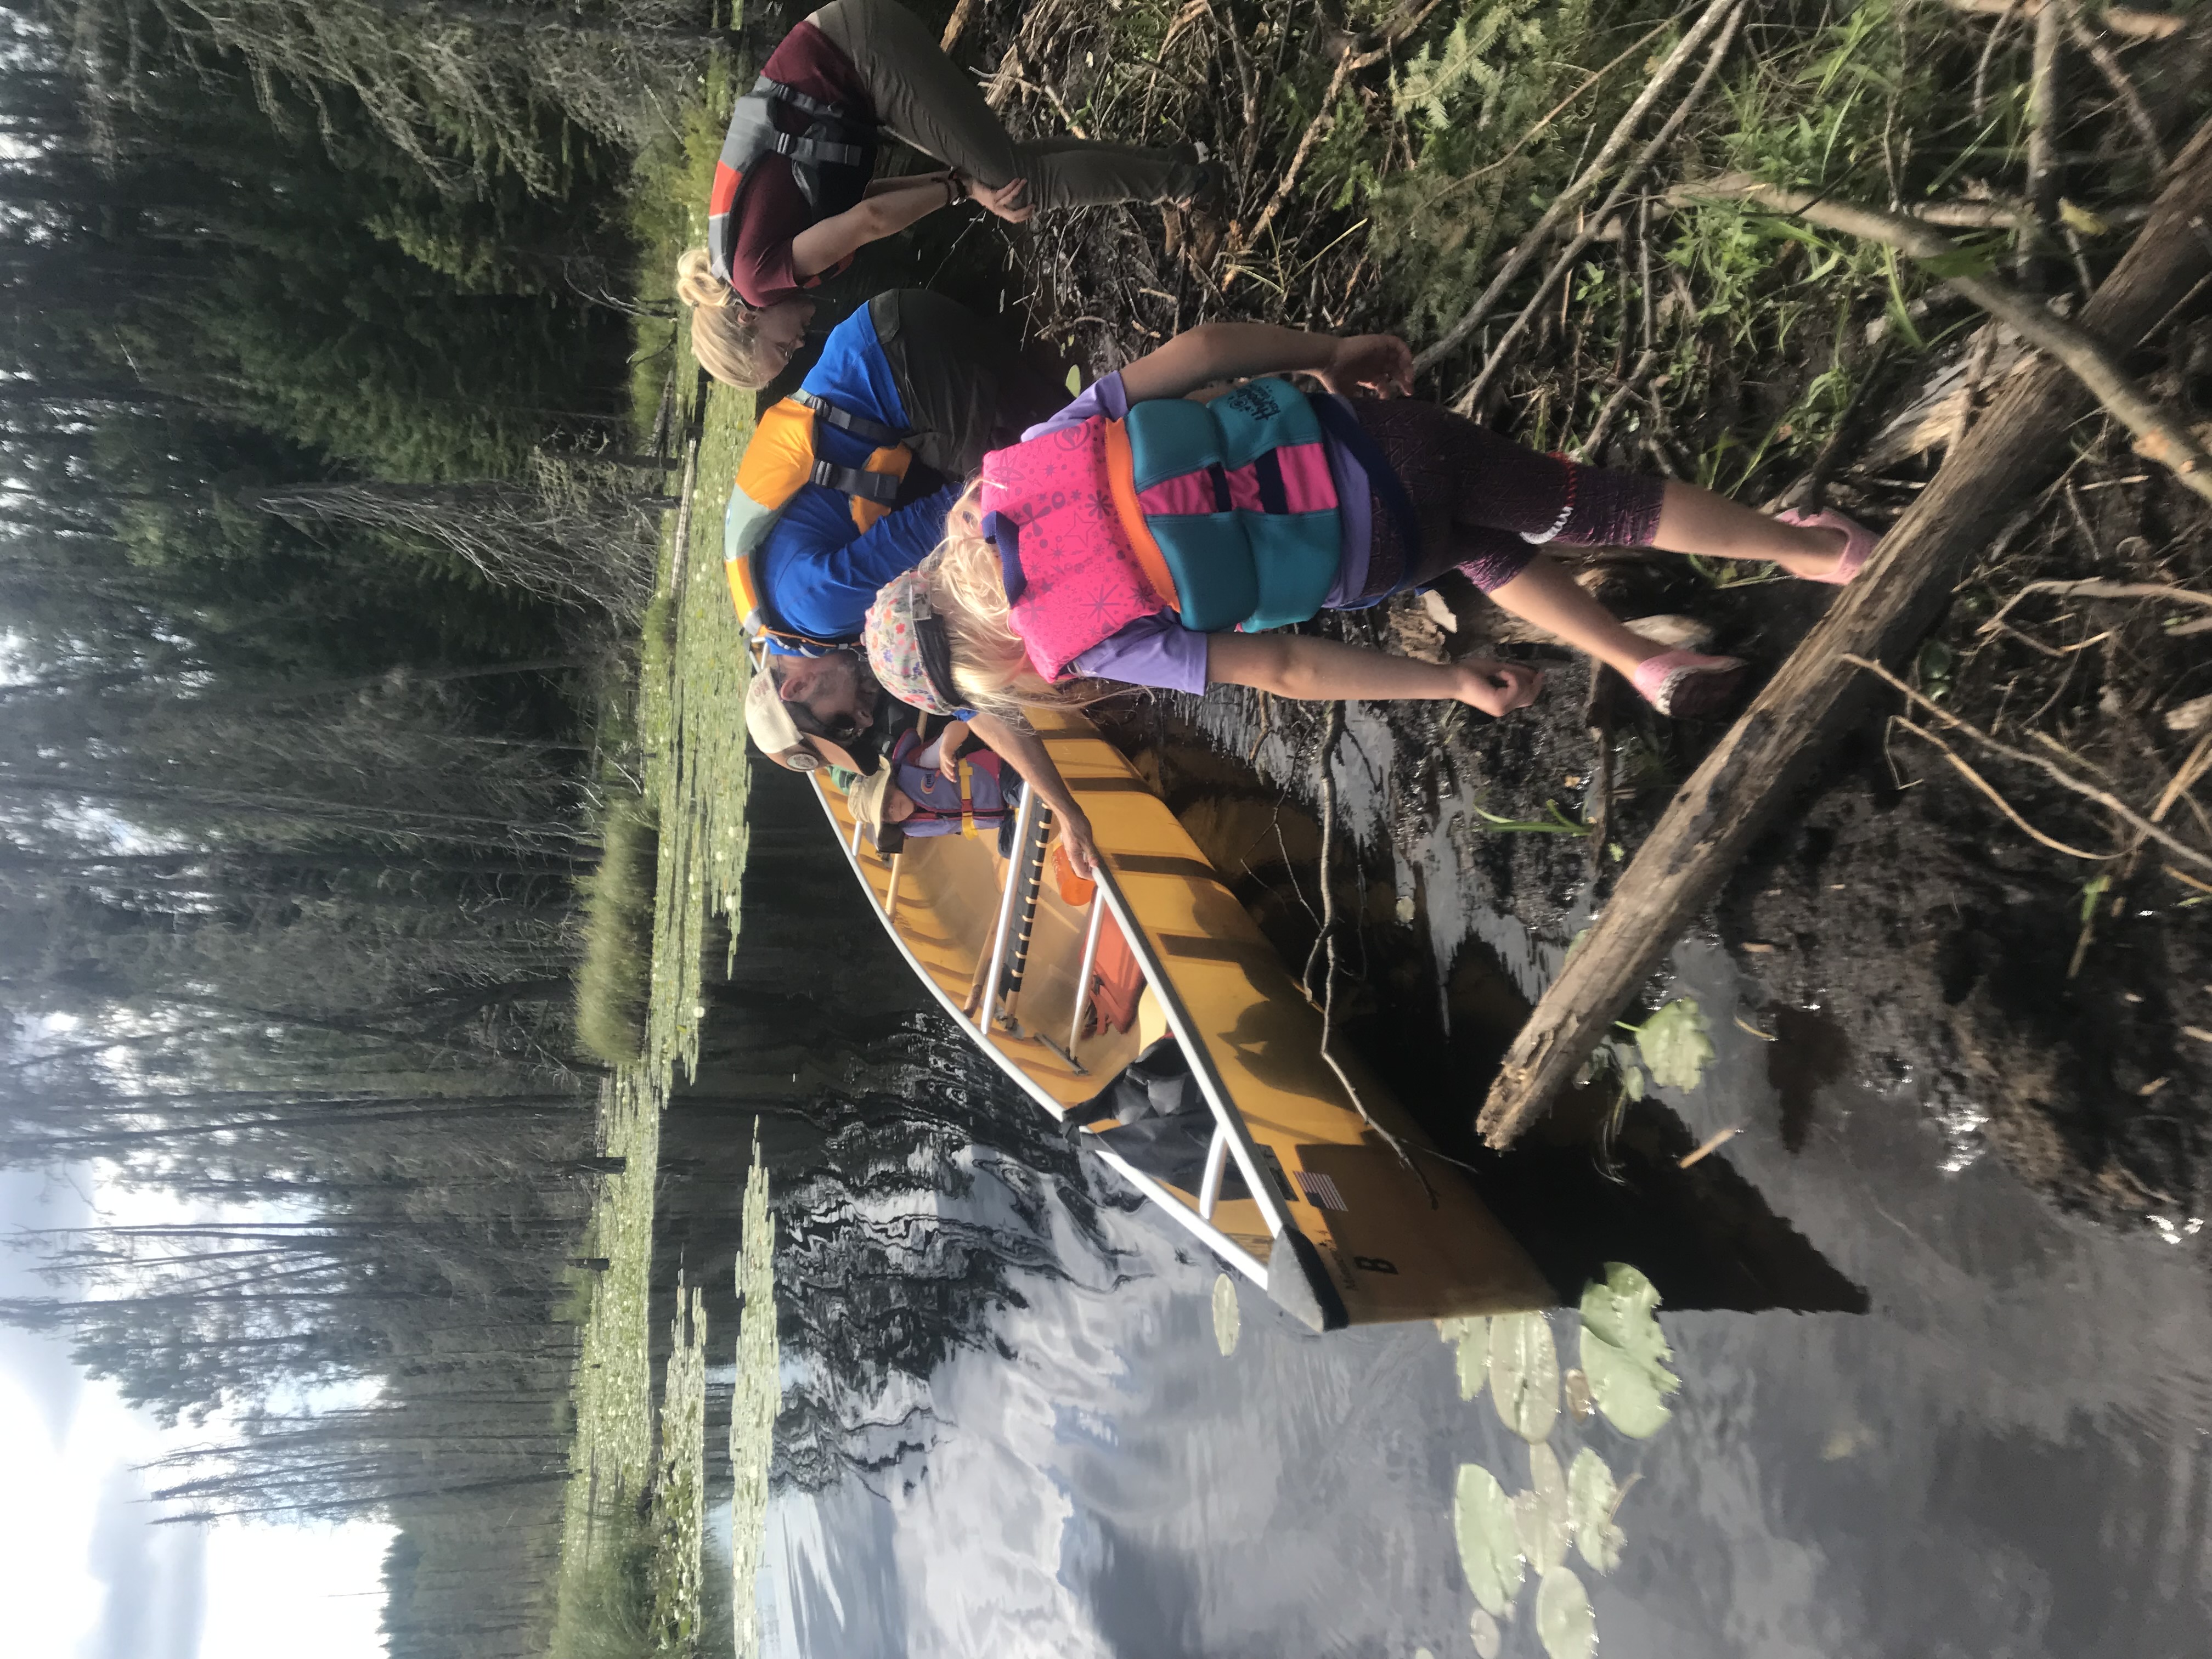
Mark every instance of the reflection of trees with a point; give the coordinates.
(915, 1191)
(930, 1197)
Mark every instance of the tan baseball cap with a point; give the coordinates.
(767, 720)
(866, 800)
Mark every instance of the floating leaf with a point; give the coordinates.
(1591, 1496)
(1472, 1335)
(1224, 1313)
(1541, 1514)
(1074, 382)
(1487, 1639)
(1489, 1547)
(1624, 1351)
(1676, 1044)
(1524, 1373)
(1563, 1620)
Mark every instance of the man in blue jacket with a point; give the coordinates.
(951, 386)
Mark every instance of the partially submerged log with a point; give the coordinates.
(1729, 801)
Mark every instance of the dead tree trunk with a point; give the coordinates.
(1729, 800)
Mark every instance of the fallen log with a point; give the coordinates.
(1729, 801)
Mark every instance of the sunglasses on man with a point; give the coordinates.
(859, 747)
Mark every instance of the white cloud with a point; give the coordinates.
(277, 1592)
(84, 1570)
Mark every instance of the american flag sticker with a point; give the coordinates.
(1321, 1189)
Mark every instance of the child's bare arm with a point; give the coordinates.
(1322, 670)
(1035, 762)
(1213, 352)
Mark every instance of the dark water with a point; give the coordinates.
(1011, 1430)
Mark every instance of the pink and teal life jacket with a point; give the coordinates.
(1225, 513)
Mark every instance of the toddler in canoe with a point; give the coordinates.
(1152, 534)
(934, 783)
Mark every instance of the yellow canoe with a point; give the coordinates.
(1336, 1227)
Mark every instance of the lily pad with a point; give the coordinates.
(1676, 1044)
(1487, 1637)
(1225, 1315)
(1591, 1497)
(1472, 1336)
(1524, 1373)
(1541, 1514)
(1489, 1547)
(1624, 1351)
(1565, 1622)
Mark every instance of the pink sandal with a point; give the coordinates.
(1859, 542)
(1683, 684)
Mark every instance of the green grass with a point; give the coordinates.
(604, 1597)
(753, 1408)
(695, 720)
(613, 982)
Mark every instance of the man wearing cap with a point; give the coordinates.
(805, 712)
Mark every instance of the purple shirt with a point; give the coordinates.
(1158, 650)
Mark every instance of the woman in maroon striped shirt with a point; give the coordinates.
(795, 197)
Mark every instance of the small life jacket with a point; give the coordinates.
(981, 797)
(777, 465)
(1225, 513)
(831, 162)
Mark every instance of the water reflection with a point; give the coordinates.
(2004, 1453)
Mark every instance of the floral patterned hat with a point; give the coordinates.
(908, 648)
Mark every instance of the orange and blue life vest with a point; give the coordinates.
(1225, 513)
(779, 462)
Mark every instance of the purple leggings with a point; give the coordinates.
(1484, 502)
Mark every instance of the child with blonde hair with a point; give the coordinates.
(1152, 534)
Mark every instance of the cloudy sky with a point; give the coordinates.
(85, 1571)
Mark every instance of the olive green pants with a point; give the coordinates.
(924, 99)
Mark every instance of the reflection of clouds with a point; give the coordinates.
(154, 1577)
(40, 1365)
(994, 1555)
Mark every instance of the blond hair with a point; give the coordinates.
(990, 666)
(723, 326)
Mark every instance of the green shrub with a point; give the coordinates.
(615, 982)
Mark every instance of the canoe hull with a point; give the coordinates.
(1337, 1226)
